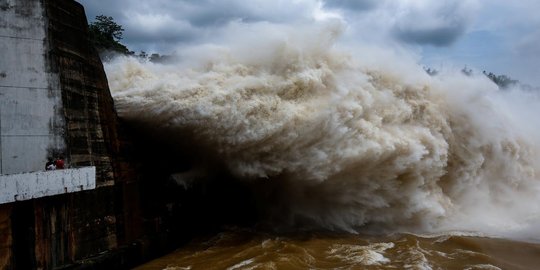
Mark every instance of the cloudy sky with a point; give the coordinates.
(495, 35)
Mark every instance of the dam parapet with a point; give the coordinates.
(27, 186)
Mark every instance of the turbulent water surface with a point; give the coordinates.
(248, 250)
(349, 140)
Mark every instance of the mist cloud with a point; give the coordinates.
(340, 141)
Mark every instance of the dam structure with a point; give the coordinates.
(55, 102)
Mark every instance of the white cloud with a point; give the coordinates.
(424, 22)
(163, 25)
(175, 22)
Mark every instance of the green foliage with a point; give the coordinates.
(143, 55)
(431, 71)
(105, 35)
(503, 81)
(156, 58)
(467, 71)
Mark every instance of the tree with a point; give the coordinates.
(502, 81)
(108, 27)
(431, 72)
(105, 35)
(467, 71)
(155, 57)
(143, 55)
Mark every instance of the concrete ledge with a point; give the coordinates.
(26, 186)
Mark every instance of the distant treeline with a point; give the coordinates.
(504, 82)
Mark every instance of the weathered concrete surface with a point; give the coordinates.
(73, 227)
(130, 217)
(26, 186)
(91, 122)
(31, 121)
(54, 95)
(5, 236)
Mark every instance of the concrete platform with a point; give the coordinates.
(26, 186)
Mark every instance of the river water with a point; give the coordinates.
(246, 249)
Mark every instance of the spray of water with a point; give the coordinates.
(346, 138)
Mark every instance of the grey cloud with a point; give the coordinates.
(441, 36)
(93, 8)
(218, 16)
(187, 21)
(201, 13)
(208, 13)
(218, 13)
(434, 23)
(139, 35)
(528, 46)
(352, 5)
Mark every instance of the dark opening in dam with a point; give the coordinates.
(189, 184)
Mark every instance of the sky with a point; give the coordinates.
(499, 36)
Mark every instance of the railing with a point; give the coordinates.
(26, 186)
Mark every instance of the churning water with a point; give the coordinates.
(248, 250)
(349, 140)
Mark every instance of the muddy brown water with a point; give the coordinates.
(238, 249)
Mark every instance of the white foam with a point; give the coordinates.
(482, 267)
(347, 138)
(365, 255)
(241, 264)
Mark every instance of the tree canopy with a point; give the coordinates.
(503, 81)
(105, 35)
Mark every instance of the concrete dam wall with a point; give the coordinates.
(31, 120)
(54, 100)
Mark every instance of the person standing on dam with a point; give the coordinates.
(50, 165)
(59, 163)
